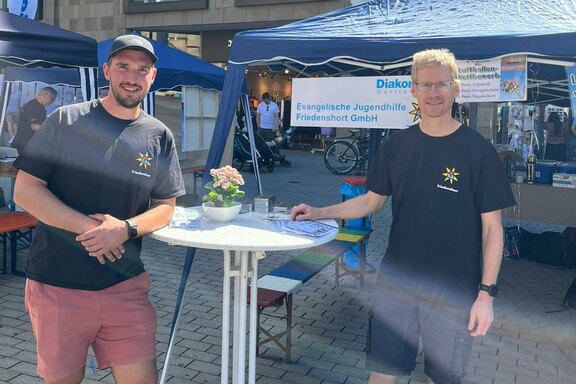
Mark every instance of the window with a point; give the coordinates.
(143, 6)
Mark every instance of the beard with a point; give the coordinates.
(126, 101)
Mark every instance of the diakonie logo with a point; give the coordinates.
(393, 84)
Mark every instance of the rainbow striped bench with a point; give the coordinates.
(277, 287)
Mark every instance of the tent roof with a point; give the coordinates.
(379, 37)
(175, 68)
(388, 31)
(25, 42)
(55, 76)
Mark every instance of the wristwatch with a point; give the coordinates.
(491, 289)
(132, 229)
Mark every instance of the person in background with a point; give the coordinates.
(32, 115)
(13, 111)
(556, 138)
(267, 117)
(98, 175)
(437, 279)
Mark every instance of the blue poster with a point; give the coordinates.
(571, 74)
(513, 78)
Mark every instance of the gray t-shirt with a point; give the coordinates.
(96, 163)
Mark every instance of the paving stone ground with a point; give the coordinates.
(529, 343)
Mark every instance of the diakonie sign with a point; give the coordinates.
(353, 102)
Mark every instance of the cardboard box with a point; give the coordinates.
(564, 180)
(264, 203)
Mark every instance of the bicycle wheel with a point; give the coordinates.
(340, 157)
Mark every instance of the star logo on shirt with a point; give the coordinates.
(144, 160)
(451, 175)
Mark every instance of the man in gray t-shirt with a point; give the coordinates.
(98, 176)
(267, 118)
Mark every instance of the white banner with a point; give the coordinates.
(24, 8)
(502, 79)
(354, 102)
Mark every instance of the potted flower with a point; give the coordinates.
(220, 202)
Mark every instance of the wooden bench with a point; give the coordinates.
(197, 173)
(15, 226)
(277, 287)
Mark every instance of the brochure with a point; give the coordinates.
(310, 228)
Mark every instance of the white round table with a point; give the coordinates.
(249, 236)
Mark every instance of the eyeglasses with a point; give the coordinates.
(441, 86)
(267, 108)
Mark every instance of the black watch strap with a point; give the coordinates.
(132, 229)
(491, 289)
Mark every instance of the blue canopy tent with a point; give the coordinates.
(29, 43)
(380, 36)
(175, 68)
(56, 76)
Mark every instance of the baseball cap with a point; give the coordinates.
(132, 42)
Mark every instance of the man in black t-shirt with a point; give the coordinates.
(33, 113)
(98, 176)
(437, 280)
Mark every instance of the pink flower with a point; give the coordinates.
(224, 186)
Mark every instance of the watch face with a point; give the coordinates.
(133, 229)
(493, 290)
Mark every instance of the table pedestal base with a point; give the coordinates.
(241, 273)
(243, 270)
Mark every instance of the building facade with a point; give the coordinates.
(201, 27)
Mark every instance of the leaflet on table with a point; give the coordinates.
(308, 228)
(186, 218)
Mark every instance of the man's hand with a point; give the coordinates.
(105, 241)
(481, 315)
(304, 212)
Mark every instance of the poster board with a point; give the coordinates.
(497, 80)
(354, 102)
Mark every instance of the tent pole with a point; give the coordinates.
(5, 99)
(253, 152)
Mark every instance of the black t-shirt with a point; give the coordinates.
(32, 113)
(439, 187)
(96, 163)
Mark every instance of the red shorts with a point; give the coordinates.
(118, 322)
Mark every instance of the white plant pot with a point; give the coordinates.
(221, 214)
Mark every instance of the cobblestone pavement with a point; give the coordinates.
(527, 344)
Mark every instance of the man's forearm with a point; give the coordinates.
(357, 207)
(36, 199)
(157, 216)
(492, 246)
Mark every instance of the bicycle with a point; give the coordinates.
(342, 156)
